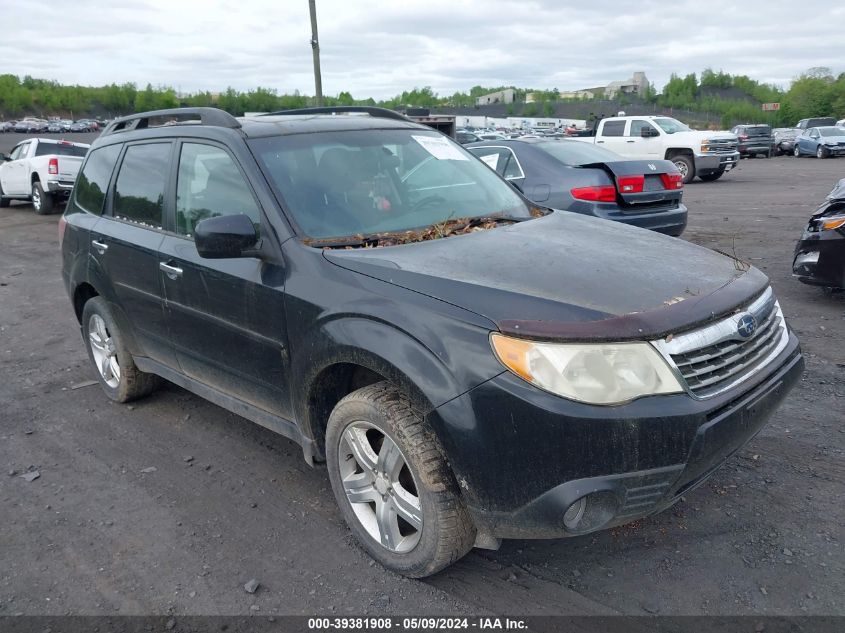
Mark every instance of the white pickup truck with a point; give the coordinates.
(41, 170)
(707, 155)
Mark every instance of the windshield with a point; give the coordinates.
(575, 153)
(831, 131)
(363, 182)
(670, 126)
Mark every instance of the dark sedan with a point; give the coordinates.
(783, 139)
(591, 180)
(820, 253)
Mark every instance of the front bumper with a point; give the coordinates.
(819, 258)
(523, 457)
(709, 163)
(836, 150)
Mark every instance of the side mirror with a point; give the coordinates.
(648, 132)
(226, 237)
(4, 158)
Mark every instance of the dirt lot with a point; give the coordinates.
(101, 532)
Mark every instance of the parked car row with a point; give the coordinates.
(822, 137)
(32, 125)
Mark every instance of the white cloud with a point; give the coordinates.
(378, 48)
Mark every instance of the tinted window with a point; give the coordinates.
(139, 192)
(500, 159)
(210, 184)
(613, 128)
(90, 189)
(638, 125)
(60, 149)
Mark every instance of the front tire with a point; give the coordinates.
(4, 202)
(394, 487)
(712, 176)
(684, 165)
(42, 202)
(119, 377)
(822, 152)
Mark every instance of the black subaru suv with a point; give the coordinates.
(469, 366)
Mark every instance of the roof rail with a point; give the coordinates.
(382, 113)
(208, 116)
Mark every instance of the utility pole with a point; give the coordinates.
(315, 48)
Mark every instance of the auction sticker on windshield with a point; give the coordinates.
(439, 147)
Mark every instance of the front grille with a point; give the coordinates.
(722, 145)
(716, 357)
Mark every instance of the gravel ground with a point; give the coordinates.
(171, 505)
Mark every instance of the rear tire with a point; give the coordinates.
(796, 152)
(119, 377)
(385, 464)
(684, 165)
(4, 202)
(42, 202)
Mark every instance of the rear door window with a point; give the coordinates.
(93, 182)
(139, 190)
(613, 128)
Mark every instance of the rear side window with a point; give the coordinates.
(210, 184)
(613, 128)
(60, 149)
(139, 191)
(500, 159)
(90, 189)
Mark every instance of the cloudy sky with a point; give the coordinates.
(378, 48)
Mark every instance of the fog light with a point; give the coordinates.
(574, 513)
(807, 258)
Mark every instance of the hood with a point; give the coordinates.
(698, 136)
(838, 191)
(568, 276)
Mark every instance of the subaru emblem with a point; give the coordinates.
(746, 326)
(652, 167)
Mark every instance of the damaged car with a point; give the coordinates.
(819, 258)
(587, 179)
(468, 366)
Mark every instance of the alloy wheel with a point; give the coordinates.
(36, 198)
(104, 351)
(682, 167)
(380, 487)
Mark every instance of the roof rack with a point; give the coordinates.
(382, 113)
(208, 116)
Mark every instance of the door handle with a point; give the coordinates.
(599, 141)
(101, 247)
(171, 271)
(630, 141)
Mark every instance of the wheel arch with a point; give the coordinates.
(347, 354)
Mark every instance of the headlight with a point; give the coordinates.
(834, 222)
(705, 147)
(605, 373)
